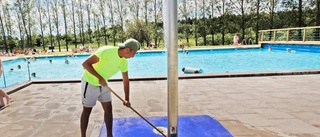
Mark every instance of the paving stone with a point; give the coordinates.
(295, 126)
(273, 106)
(254, 120)
(271, 113)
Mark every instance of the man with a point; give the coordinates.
(235, 40)
(99, 67)
(2, 93)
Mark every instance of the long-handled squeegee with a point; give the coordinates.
(160, 131)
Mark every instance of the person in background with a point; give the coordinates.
(3, 94)
(90, 48)
(194, 71)
(180, 44)
(66, 61)
(288, 49)
(33, 58)
(98, 69)
(235, 40)
(81, 48)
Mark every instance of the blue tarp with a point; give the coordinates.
(188, 126)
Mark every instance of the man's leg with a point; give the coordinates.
(4, 94)
(108, 117)
(1, 101)
(8, 99)
(84, 120)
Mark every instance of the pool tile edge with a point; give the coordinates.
(22, 85)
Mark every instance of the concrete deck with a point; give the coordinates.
(269, 106)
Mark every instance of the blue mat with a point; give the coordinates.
(188, 126)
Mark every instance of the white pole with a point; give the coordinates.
(171, 43)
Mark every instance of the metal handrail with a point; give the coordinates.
(4, 78)
(291, 35)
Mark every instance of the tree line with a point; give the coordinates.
(69, 23)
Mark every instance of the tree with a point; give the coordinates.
(113, 26)
(139, 30)
(23, 10)
(88, 7)
(50, 25)
(135, 8)
(257, 18)
(271, 10)
(157, 8)
(203, 22)
(56, 21)
(81, 22)
(223, 7)
(30, 20)
(97, 27)
(63, 6)
(101, 8)
(212, 13)
(121, 11)
(318, 13)
(3, 33)
(74, 24)
(318, 20)
(41, 23)
(314, 7)
(242, 8)
(21, 32)
(195, 22)
(186, 9)
(8, 25)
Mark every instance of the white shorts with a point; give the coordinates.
(91, 93)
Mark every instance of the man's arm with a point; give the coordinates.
(88, 65)
(126, 88)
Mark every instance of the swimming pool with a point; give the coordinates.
(155, 63)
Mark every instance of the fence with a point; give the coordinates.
(310, 35)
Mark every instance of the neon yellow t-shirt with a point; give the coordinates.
(109, 64)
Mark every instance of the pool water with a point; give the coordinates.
(155, 64)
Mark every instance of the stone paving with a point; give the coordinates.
(270, 106)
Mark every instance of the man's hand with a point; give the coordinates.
(127, 104)
(103, 82)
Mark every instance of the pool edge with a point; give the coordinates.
(24, 84)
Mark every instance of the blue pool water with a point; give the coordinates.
(155, 63)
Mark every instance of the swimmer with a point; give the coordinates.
(33, 74)
(50, 60)
(19, 67)
(33, 58)
(195, 71)
(288, 49)
(66, 61)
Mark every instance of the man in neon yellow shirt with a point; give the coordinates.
(100, 67)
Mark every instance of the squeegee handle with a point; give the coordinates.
(161, 132)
